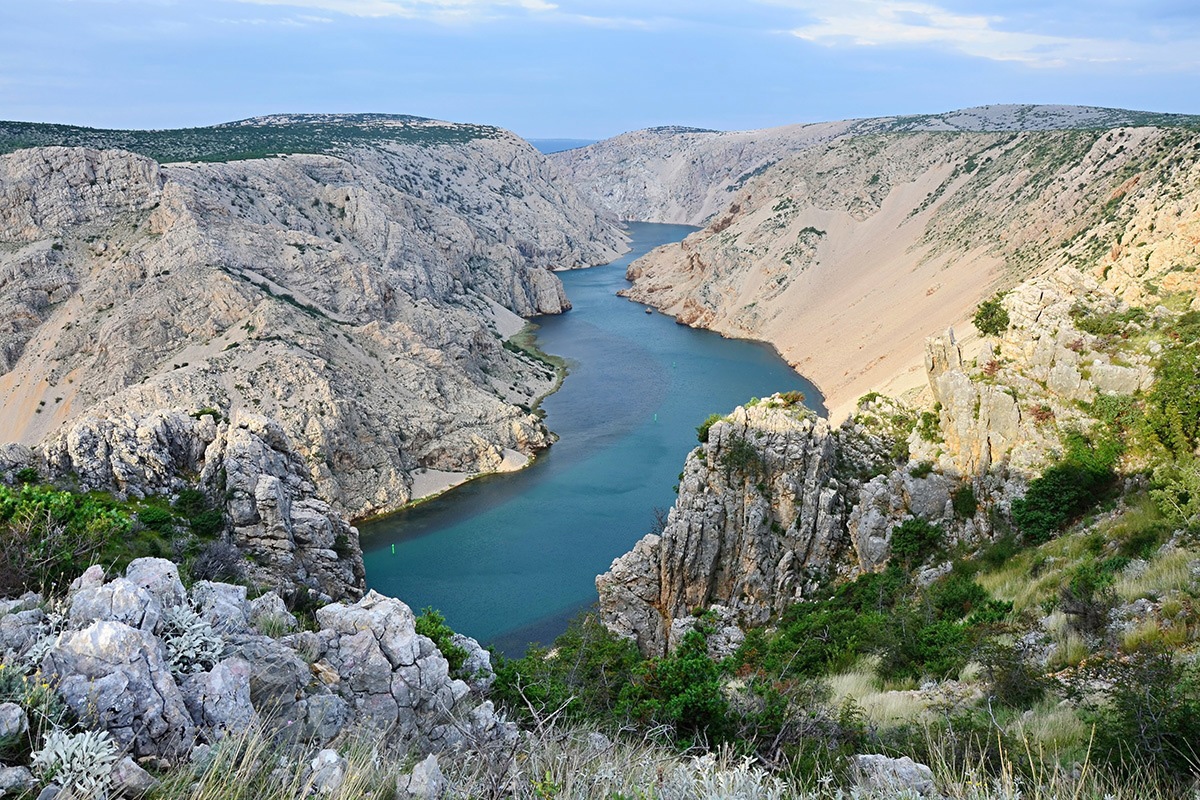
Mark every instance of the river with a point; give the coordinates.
(508, 559)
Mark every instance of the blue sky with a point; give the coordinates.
(586, 68)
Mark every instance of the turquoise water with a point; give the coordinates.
(508, 559)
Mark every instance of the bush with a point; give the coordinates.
(929, 427)
(965, 504)
(1176, 491)
(682, 690)
(702, 431)
(48, 537)
(991, 318)
(915, 648)
(956, 596)
(1064, 491)
(582, 674)
(1173, 405)
(27, 475)
(433, 625)
(156, 518)
(740, 456)
(914, 540)
(1146, 712)
(1011, 678)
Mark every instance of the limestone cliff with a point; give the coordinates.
(775, 501)
(312, 329)
(844, 244)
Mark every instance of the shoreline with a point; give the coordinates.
(524, 341)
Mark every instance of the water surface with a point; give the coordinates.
(508, 559)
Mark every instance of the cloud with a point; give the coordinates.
(442, 10)
(878, 23)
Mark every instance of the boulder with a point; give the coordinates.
(16, 781)
(327, 772)
(881, 774)
(222, 605)
(425, 782)
(120, 600)
(112, 676)
(130, 780)
(160, 578)
(219, 700)
(13, 721)
(269, 610)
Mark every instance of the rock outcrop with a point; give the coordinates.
(774, 501)
(162, 689)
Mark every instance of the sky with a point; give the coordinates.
(586, 68)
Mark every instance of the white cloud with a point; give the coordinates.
(444, 10)
(870, 23)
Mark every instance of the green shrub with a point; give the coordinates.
(1146, 713)
(682, 690)
(433, 625)
(702, 431)
(1176, 491)
(915, 648)
(156, 518)
(921, 470)
(965, 504)
(914, 540)
(1064, 491)
(929, 427)
(49, 537)
(582, 674)
(956, 595)
(27, 475)
(1173, 405)
(991, 318)
(741, 457)
(1011, 677)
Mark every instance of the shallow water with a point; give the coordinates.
(508, 559)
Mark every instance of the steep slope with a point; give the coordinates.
(348, 308)
(845, 256)
(686, 175)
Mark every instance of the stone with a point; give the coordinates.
(16, 781)
(269, 610)
(328, 772)
(879, 773)
(49, 793)
(477, 667)
(222, 605)
(13, 721)
(219, 700)
(130, 780)
(160, 578)
(113, 676)
(92, 577)
(120, 600)
(425, 782)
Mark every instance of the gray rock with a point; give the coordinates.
(878, 773)
(120, 600)
(425, 782)
(269, 610)
(327, 772)
(160, 578)
(15, 781)
(92, 577)
(219, 700)
(131, 780)
(49, 793)
(477, 668)
(223, 605)
(113, 677)
(13, 721)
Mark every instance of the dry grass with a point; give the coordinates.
(880, 705)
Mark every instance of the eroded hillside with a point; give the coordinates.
(347, 313)
(845, 252)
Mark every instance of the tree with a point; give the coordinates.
(991, 318)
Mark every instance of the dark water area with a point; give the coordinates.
(509, 559)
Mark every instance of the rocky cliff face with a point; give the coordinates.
(305, 332)
(777, 500)
(844, 245)
(774, 502)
